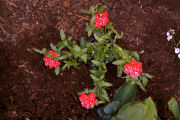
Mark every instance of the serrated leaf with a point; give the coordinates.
(57, 69)
(104, 94)
(147, 75)
(141, 86)
(89, 30)
(38, 51)
(144, 80)
(119, 71)
(53, 47)
(98, 38)
(84, 58)
(119, 62)
(119, 36)
(135, 55)
(106, 84)
(86, 11)
(83, 43)
(62, 34)
(95, 62)
(174, 108)
(101, 9)
(94, 77)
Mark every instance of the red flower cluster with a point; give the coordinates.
(101, 19)
(134, 68)
(88, 101)
(51, 62)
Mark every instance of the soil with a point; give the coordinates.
(29, 89)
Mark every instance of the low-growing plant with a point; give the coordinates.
(97, 53)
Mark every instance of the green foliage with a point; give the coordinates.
(145, 110)
(174, 108)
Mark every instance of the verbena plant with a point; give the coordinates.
(103, 49)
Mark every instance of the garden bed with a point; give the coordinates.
(28, 89)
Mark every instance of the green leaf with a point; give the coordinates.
(89, 30)
(173, 107)
(104, 94)
(147, 75)
(95, 62)
(86, 11)
(53, 47)
(62, 34)
(112, 107)
(125, 93)
(98, 38)
(119, 36)
(94, 77)
(84, 58)
(57, 69)
(106, 84)
(141, 86)
(145, 110)
(144, 80)
(135, 55)
(119, 62)
(119, 71)
(83, 43)
(38, 51)
(101, 9)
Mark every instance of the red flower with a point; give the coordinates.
(88, 101)
(101, 19)
(133, 69)
(50, 61)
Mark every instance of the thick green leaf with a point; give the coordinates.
(53, 47)
(62, 34)
(119, 70)
(112, 107)
(173, 107)
(151, 112)
(145, 110)
(125, 93)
